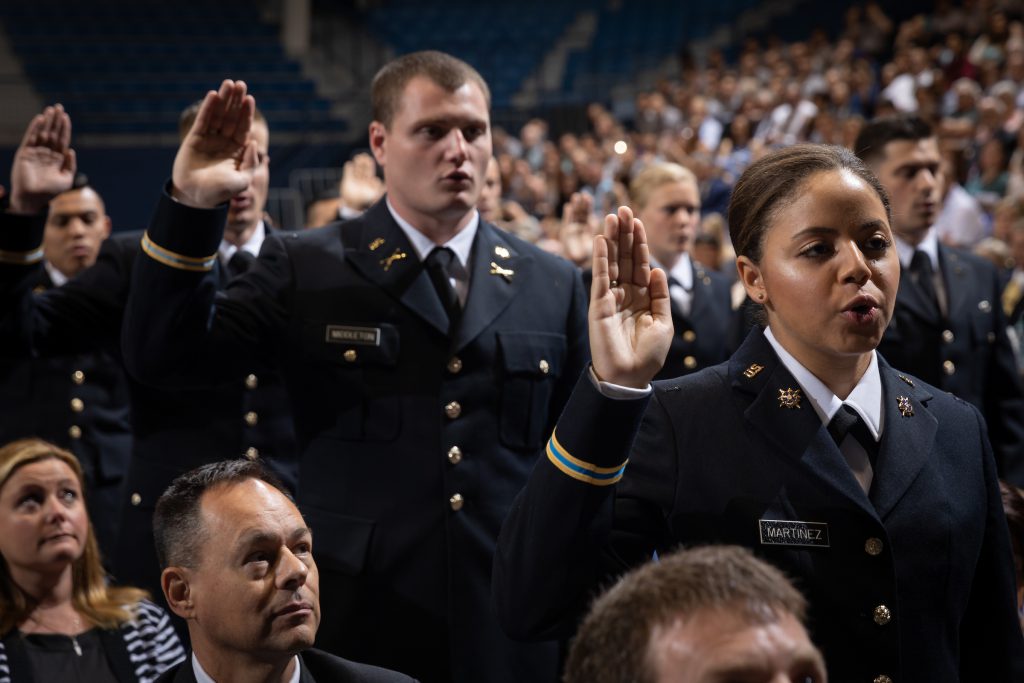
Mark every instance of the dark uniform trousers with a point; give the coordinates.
(912, 583)
(78, 402)
(174, 430)
(965, 352)
(702, 338)
(414, 442)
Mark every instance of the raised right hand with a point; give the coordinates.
(44, 164)
(630, 316)
(217, 157)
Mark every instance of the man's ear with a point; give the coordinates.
(378, 141)
(750, 276)
(178, 591)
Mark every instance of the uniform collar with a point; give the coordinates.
(866, 397)
(203, 677)
(252, 245)
(461, 243)
(682, 271)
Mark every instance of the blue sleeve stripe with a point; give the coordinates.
(580, 470)
(175, 260)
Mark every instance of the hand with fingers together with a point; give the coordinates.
(217, 157)
(44, 164)
(630, 317)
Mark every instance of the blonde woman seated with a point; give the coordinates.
(59, 618)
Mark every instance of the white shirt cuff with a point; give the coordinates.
(617, 391)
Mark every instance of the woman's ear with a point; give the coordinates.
(750, 276)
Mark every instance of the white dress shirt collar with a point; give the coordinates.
(203, 677)
(252, 245)
(866, 397)
(56, 277)
(929, 245)
(682, 271)
(461, 243)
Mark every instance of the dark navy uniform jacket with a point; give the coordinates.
(174, 431)
(702, 338)
(914, 582)
(79, 402)
(315, 667)
(414, 443)
(965, 352)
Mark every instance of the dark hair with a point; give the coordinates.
(770, 182)
(877, 133)
(612, 644)
(1013, 507)
(189, 113)
(177, 523)
(449, 72)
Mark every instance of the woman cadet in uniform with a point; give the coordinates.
(875, 492)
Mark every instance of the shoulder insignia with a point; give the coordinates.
(377, 244)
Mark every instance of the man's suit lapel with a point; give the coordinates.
(797, 432)
(497, 274)
(908, 434)
(382, 253)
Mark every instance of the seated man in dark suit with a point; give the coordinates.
(696, 616)
(237, 560)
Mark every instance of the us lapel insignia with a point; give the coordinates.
(905, 408)
(751, 372)
(906, 379)
(398, 255)
(376, 244)
(501, 251)
(506, 273)
(789, 398)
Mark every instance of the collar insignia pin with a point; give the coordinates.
(906, 409)
(376, 244)
(789, 398)
(506, 273)
(751, 372)
(501, 251)
(906, 379)
(398, 255)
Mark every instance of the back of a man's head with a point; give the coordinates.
(447, 71)
(876, 134)
(622, 638)
(178, 529)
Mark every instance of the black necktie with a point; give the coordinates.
(240, 262)
(847, 421)
(438, 264)
(924, 276)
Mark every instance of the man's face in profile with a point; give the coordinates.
(255, 588)
(725, 646)
(910, 171)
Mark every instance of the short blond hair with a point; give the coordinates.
(654, 176)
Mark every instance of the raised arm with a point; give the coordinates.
(554, 549)
(44, 164)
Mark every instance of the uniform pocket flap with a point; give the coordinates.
(340, 542)
(532, 353)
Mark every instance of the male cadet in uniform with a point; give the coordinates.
(427, 354)
(948, 327)
(79, 401)
(704, 615)
(174, 431)
(238, 565)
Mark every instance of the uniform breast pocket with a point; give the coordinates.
(983, 327)
(357, 363)
(531, 363)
